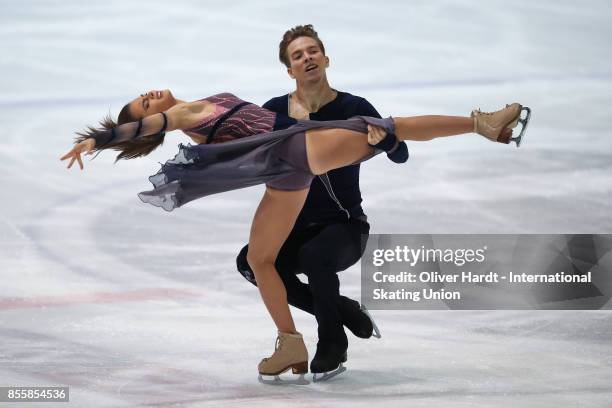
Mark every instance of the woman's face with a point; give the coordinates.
(151, 103)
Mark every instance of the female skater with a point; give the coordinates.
(241, 144)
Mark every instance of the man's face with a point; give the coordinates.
(307, 61)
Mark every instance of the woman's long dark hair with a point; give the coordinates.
(130, 149)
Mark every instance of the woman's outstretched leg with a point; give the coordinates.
(496, 126)
(423, 128)
(330, 149)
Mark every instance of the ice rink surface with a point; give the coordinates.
(132, 306)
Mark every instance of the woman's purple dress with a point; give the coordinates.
(244, 151)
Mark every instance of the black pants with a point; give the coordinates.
(319, 251)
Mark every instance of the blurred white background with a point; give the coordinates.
(133, 306)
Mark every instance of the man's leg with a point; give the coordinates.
(333, 249)
(298, 293)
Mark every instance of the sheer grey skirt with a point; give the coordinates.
(277, 159)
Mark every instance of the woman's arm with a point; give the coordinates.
(181, 116)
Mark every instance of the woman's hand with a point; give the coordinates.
(376, 134)
(86, 145)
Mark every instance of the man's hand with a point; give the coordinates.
(86, 145)
(376, 134)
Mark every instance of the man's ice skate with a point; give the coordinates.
(375, 330)
(357, 319)
(327, 362)
(497, 126)
(290, 353)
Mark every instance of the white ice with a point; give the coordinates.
(133, 306)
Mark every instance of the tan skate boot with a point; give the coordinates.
(497, 126)
(290, 353)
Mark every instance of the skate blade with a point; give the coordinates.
(328, 375)
(376, 332)
(524, 122)
(276, 380)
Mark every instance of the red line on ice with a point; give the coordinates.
(99, 297)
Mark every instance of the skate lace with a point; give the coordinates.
(490, 113)
(483, 113)
(278, 344)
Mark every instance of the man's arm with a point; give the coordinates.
(275, 105)
(397, 150)
(365, 108)
(269, 105)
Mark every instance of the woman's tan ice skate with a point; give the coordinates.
(290, 353)
(497, 126)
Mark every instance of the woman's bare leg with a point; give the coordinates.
(330, 149)
(423, 128)
(271, 226)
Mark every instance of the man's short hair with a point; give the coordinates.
(292, 34)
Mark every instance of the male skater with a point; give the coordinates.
(326, 238)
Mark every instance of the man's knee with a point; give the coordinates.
(243, 267)
(312, 258)
(319, 266)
